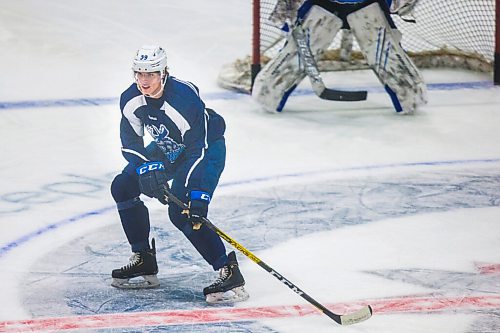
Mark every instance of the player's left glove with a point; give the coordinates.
(153, 180)
(198, 207)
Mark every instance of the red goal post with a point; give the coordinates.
(496, 76)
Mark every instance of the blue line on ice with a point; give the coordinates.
(26, 238)
(227, 95)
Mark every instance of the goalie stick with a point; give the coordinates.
(312, 72)
(346, 319)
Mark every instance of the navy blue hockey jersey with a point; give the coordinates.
(178, 122)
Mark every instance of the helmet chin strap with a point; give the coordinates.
(158, 94)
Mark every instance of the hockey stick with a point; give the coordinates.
(312, 72)
(346, 319)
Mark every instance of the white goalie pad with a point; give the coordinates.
(285, 12)
(380, 44)
(279, 77)
(403, 7)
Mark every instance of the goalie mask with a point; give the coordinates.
(150, 59)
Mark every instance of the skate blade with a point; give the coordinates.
(238, 294)
(148, 281)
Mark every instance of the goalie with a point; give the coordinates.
(317, 22)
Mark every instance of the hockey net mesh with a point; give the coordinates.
(453, 34)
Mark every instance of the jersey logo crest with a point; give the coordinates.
(168, 146)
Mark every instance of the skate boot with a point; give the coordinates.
(228, 287)
(142, 264)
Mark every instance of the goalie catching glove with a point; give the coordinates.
(153, 180)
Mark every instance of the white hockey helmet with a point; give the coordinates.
(150, 58)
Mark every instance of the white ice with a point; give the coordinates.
(58, 161)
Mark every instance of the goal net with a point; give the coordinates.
(452, 34)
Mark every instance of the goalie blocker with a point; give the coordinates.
(379, 41)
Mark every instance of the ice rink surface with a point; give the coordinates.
(352, 202)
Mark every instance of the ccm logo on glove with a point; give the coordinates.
(200, 195)
(147, 167)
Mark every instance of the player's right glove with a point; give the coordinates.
(153, 180)
(198, 207)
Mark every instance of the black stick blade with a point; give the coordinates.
(345, 96)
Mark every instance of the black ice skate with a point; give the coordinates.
(229, 286)
(142, 264)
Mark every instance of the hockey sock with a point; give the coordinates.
(135, 222)
(133, 213)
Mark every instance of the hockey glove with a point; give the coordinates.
(198, 207)
(153, 180)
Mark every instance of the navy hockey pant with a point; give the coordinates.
(134, 215)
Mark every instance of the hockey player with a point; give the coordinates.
(188, 147)
(317, 23)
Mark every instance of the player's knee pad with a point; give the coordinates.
(124, 187)
(279, 77)
(379, 42)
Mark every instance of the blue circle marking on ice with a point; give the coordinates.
(26, 238)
